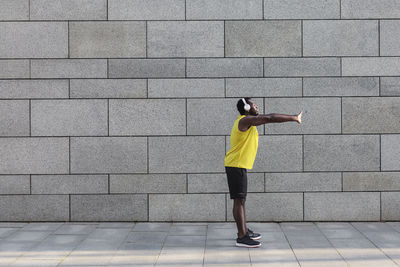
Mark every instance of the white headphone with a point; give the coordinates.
(246, 106)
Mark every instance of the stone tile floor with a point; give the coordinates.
(199, 244)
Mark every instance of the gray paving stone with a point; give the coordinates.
(167, 117)
(342, 206)
(371, 66)
(185, 39)
(224, 67)
(188, 230)
(371, 181)
(263, 87)
(33, 89)
(127, 207)
(152, 227)
(14, 117)
(292, 182)
(263, 38)
(181, 88)
(217, 183)
(75, 229)
(390, 152)
(34, 208)
(34, 40)
(116, 225)
(14, 9)
(341, 86)
(21, 155)
(341, 153)
(316, 112)
(108, 154)
(42, 226)
(108, 88)
(223, 9)
(151, 237)
(194, 154)
(69, 68)
(296, 67)
(69, 184)
(389, 41)
(69, 117)
(301, 9)
(28, 236)
(331, 38)
(146, 10)
(390, 86)
(5, 232)
(107, 39)
(201, 119)
(10, 69)
(187, 207)
(360, 9)
(148, 183)
(146, 68)
(364, 115)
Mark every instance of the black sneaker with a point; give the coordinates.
(247, 242)
(252, 235)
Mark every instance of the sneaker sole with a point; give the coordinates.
(247, 246)
(256, 238)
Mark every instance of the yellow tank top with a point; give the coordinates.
(243, 146)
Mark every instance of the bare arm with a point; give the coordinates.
(249, 120)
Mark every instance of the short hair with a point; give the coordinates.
(240, 105)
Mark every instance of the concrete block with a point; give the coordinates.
(364, 115)
(185, 88)
(342, 206)
(69, 68)
(340, 38)
(14, 9)
(108, 88)
(271, 207)
(146, 68)
(34, 208)
(389, 38)
(370, 9)
(148, 183)
(201, 119)
(223, 9)
(33, 39)
(68, 9)
(218, 183)
(185, 39)
(146, 10)
(390, 206)
(14, 117)
(69, 184)
(187, 207)
(371, 66)
(34, 89)
(320, 115)
(108, 154)
(301, 9)
(390, 152)
(371, 181)
(224, 67)
(341, 86)
(390, 86)
(263, 87)
(341, 153)
(69, 117)
(194, 154)
(33, 155)
(10, 69)
(303, 182)
(167, 117)
(127, 207)
(263, 38)
(278, 67)
(14, 184)
(107, 39)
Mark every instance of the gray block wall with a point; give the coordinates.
(121, 110)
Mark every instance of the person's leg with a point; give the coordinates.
(240, 216)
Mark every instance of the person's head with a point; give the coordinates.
(253, 107)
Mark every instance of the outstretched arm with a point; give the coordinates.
(249, 120)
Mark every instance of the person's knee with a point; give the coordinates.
(239, 201)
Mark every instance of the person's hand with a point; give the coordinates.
(299, 117)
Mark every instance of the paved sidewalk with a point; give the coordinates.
(199, 244)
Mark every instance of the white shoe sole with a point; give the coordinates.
(256, 238)
(247, 246)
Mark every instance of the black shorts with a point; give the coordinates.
(237, 182)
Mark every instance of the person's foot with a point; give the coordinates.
(247, 242)
(254, 236)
